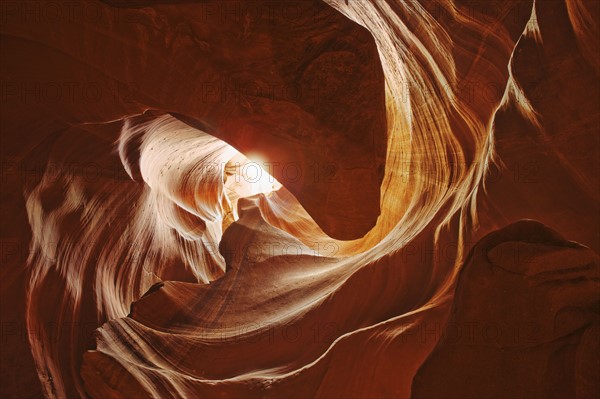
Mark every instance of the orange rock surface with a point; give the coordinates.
(303, 199)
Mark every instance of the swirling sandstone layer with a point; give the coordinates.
(401, 144)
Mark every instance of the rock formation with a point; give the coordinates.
(328, 199)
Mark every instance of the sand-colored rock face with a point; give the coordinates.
(300, 199)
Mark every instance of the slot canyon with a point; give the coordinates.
(300, 199)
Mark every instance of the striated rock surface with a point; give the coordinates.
(524, 322)
(270, 79)
(329, 199)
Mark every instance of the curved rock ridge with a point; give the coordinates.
(328, 199)
(251, 74)
(524, 322)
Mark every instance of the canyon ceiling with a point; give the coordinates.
(300, 199)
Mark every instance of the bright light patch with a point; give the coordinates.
(245, 177)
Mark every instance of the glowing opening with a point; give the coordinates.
(244, 178)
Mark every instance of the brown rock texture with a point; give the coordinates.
(300, 199)
(524, 322)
